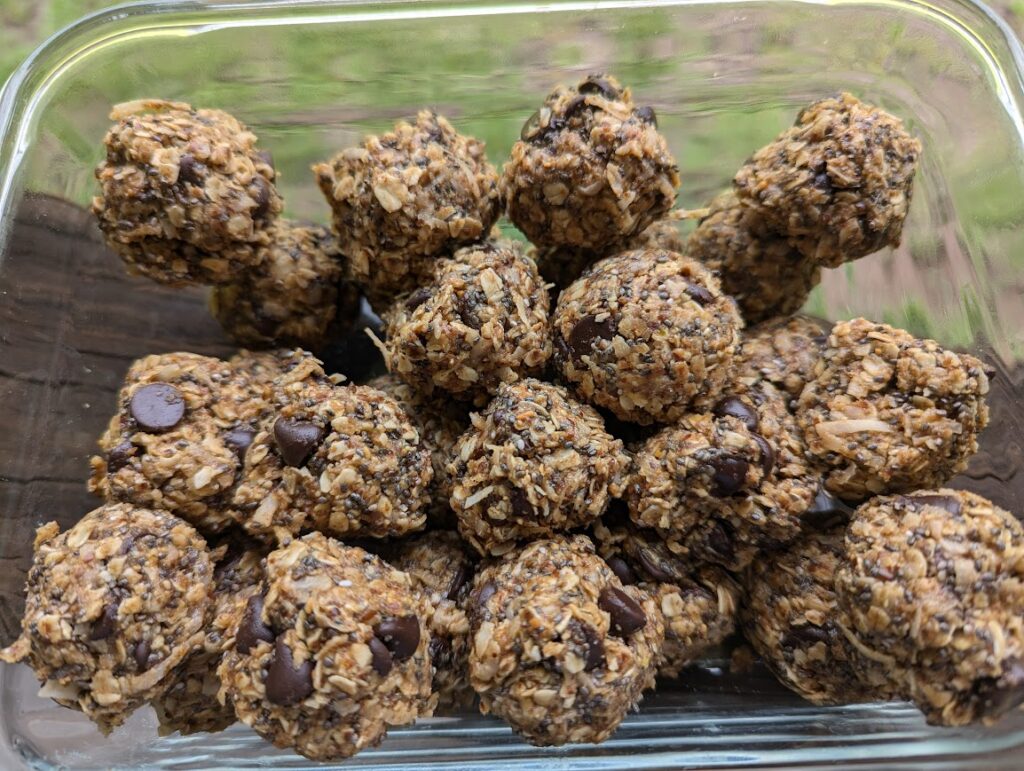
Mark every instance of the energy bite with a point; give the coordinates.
(534, 463)
(590, 170)
(174, 442)
(783, 350)
(440, 424)
(645, 333)
(189, 704)
(765, 273)
(331, 652)
(294, 295)
(698, 605)
(406, 197)
(344, 460)
(481, 321)
(442, 569)
(791, 618)
(112, 606)
(838, 183)
(886, 412)
(185, 195)
(720, 485)
(561, 649)
(933, 583)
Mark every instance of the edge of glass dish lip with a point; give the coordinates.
(21, 97)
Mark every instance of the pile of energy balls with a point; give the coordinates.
(587, 464)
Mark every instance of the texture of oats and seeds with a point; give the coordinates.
(295, 295)
(886, 412)
(698, 605)
(442, 568)
(174, 443)
(933, 584)
(190, 703)
(721, 485)
(784, 351)
(479, 321)
(405, 198)
(331, 652)
(590, 171)
(644, 334)
(759, 268)
(536, 462)
(344, 460)
(561, 650)
(440, 423)
(791, 617)
(112, 606)
(185, 195)
(837, 184)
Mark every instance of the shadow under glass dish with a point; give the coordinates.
(310, 79)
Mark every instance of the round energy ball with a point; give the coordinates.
(534, 463)
(590, 170)
(783, 350)
(331, 652)
(561, 649)
(887, 412)
(698, 605)
(838, 183)
(761, 270)
(185, 195)
(112, 606)
(645, 333)
(404, 198)
(295, 295)
(933, 584)
(791, 618)
(481, 321)
(720, 485)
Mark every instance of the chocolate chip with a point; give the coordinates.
(457, 582)
(190, 170)
(106, 624)
(401, 635)
(440, 650)
(261, 196)
(804, 636)
(989, 370)
(729, 475)
(238, 440)
(521, 507)
(287, 684)
(485, 592)
(621, 570)
(141, 655)
(651, 567)
(1000, 695)
(574, 105)
(120, 456)
(586, 331)
(735, 407)
(719, 541)
(823, 182)
(826, 510)
(626, 615)
(157, 407)
(699, 294)
(593, 647)
(251, 629)
(382, 659)
(126, 544)
(297, 439)
(767, 453)
(646, 115)
(947, 503)
(417, 298)
(596, 84)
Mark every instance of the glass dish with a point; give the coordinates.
(311, 78)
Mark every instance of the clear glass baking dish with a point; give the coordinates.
(313, 77)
